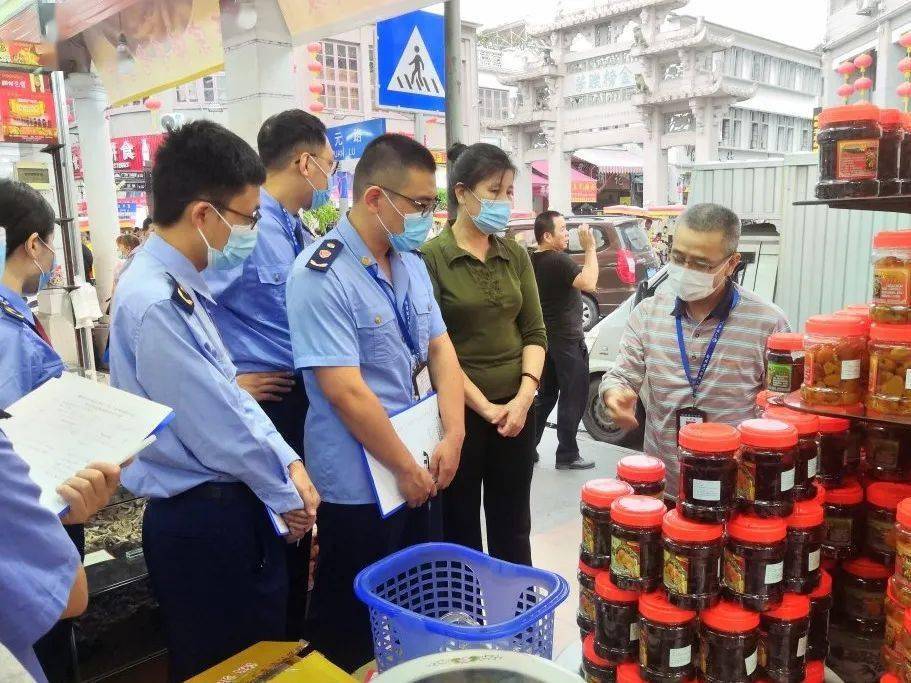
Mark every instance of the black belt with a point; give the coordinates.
(225, 492)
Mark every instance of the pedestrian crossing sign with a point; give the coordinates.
(410, 63)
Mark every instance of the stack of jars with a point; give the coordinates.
(897, 633)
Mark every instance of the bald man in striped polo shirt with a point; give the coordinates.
(694, 351)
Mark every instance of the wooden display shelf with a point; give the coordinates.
(901, 204)
(859, 413)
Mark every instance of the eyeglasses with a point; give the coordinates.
(701, 265)
(333, 166)
(254, 219)
(426, 208)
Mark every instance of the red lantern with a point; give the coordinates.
(863, 83)
(153, 104)
(905, 41)
(904, 65)
(845, 90)
(316, 107)
(316, 88)
(863, 61)
(845, 68)
(903, 89)
(315, 47)
(315, 68)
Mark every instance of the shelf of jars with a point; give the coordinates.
(859, 413)
(900, 204)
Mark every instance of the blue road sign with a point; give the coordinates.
(348, 141)
(411, 63)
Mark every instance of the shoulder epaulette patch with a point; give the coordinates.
(324, 255)
(182, 298)
(8, 309)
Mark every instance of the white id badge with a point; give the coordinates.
(422, 384)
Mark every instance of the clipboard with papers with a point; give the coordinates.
(421, 430)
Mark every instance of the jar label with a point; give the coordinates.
(774, 573)
(746, 480)
(894, 627)
(862, 604)
(903, 557)
(588, 534)
(778, 377)
(880, 534)
(734, 574)
(680, 656)
(802, 646)
(625, 557)
(850, 369)
(839, 530)
(634, 631)
(856, 159)
(891, 285)
(812, 466)
(908, 378)
(676, 572)
(750, 662)
(808, 369)
(704, 489)
(787, 480)
(587, 604)
(813, 560)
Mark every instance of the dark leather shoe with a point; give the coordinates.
(577, 464)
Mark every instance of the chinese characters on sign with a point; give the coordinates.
(349, 140)
(27, 111)
(607, 77)
(129, 156)
(20, 54)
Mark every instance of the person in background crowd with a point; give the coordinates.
(700, 340)
(146, 230)
(560, 283)
(368, 336)
(88, 258)
(251, 314)
(127, 244)
(487, 292)
(216, 563)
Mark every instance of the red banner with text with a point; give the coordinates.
(27, 111)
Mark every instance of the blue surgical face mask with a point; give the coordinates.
(45, 278)
(494, 214)
(241, 243)
(320, 197)
(2, 250)
(416, 229)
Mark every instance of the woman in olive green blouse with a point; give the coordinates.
(487, 292)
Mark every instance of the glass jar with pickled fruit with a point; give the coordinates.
(891, 277)
(889, 390)
(835, 367)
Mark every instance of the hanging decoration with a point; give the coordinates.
(863, 83)
(904, 66)
(315, 67)
(845, 90)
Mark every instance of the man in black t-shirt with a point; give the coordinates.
(560, 283)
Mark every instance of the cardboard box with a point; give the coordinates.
(282, 662)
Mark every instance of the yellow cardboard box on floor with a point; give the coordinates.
(276, 662)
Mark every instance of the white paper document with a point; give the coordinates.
(69, 422)
(420, 429)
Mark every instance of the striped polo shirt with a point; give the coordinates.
(649, 364)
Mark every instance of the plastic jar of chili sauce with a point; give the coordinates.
(843, 521)
(860, 595)
(728, 644)
(838, 454)
(597, 496)
(879, 527)
(692, 561)
(667, 636)
(804, 543)
(586, 615)
(887, 172)
(903, 545)
(784, 362)
(752, 566)
(849, 139)
(904, 157)
(632, 673)
(888, 452)
(897, 602)
(820, 610)
(596, 669)
(644, 473)
(892, 276)
(762, 399)
(807, 461)
(636, 547)
(708, 470)
(889, 390)
(783, 639)
(765, 473)
(835, 366)
(617, 633)
(816, 672)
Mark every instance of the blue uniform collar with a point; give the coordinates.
(269, 204)
(178, 266)
(16, 301)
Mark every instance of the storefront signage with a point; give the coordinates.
(439, 156)
(349, 140)
(19, 54)
(608, 77)
(583, 191)
(135, 152)
(27, 111)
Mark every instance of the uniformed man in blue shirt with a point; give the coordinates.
(369, 337)
(216, 563)
(251, 314)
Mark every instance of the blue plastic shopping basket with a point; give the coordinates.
(415, 594)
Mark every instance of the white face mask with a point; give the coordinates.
(689, 284)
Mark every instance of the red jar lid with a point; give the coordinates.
(890, 333)
(824, 588)
(833, 425)
(785, 341)
(866, 568)
(756, 529)
(638, 511)
(806, 423)
(806, 515)
(640, 468)
(816, 672)
(588, 651)
(709, 437)
(729, 617)
(889, 678)
(628, 672)
(862, 310)
(849, 493)
(655, 607)
(607, 589)
(835, 326)
(762, 398)
(903, 513)
(858, 316)
(678, 528)
(848, 112)
(767, 434)
(888, 494)
(820, 496)
(589, 571)
(890, 117)
(896, 239)
(793, 606)
(602, 492)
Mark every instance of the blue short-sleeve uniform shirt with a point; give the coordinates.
(342, 315)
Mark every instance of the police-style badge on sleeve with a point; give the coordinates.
(182, 298)
(8, 309)
(324, 255)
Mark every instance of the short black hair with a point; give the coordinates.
(23, 212)
(201, 160)
(471, 165)
(386, 157)
(284, 133)
(146, 223)
(708, 217)
(544, 224)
